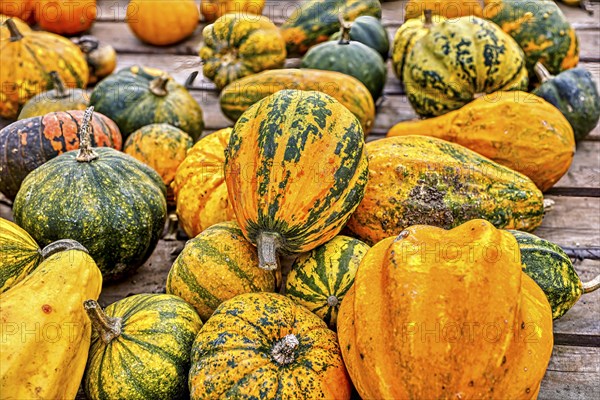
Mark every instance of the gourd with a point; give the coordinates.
(304, 152)
(20, 9)
(445, 8)
(263, 345)
(199, 185)
(320, 279)
(236, 46)
(492, 126)
(239, 95)
(429, 302)
(370, 31)
(213, 9)
(419, 180)
(215, 266)
(65, 17)
(101, 57)
(46, 332)
(29, 143)
(4, 31)
(107, 200)
(140, 348)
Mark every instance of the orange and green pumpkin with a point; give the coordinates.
(101, 57)
(370, 31)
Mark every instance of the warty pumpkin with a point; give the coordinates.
(295, 169)
(445, 8)
(101, 57)
(213, 9)
(370, 31)
(65, 17)
(263, 345)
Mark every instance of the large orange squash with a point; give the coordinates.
(66, 17)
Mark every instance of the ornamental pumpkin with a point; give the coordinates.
(445, 8)
(295, 169)
(442, 314)
(20, 9)
(213, 9)
(27, 59)
(215, 266)
(320, 279)
(162, 23)
(424, 180)
(5, 32)
(107, 200)
(140, 348)
(370, 31)
(492, 126)
(65, 17)
(265, 346)
(238, 45)
(101, 57)
(138, 96)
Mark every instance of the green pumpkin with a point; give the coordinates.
(370, 31)
(140, 348)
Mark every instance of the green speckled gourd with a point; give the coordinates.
(370, 31)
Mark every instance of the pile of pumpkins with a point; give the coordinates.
(390, 240)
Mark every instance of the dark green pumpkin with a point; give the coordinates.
(370, 31)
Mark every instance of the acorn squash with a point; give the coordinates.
(370, 31)
(101, 57)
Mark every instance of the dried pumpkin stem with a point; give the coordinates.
(158, 86)
(86, 152)
(61, 245)
(345, 27)
(87, 43)
(268, 243)
(15, 34)
(59, 85)
(332, 301)
(107, 327)
(283, 350)
(428, 18)
(190, 80)
(541, 72)
(592, 285)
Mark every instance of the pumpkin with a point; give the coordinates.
(29, 143)
(162, 23)
(213, 9)
(65, 17)
(238, 45)
(215, 266)
(101, 57)
(436, 313)
(238, 96)
(295, 169)
(21, 9)
(370, 31)
(264, 346)
(138, 96)
(445, 8)
(27, 59)
(575, 94)
(424, 180)
(199, 185)
(320, 279)
(46, 332)
(492, 126)
(5, 32)
(107, 200)
(314, 21)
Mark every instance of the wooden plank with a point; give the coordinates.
(572, 222)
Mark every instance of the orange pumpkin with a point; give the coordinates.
(22, 9)
(66, 17)
(213, 9)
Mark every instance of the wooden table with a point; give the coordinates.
(573, 222)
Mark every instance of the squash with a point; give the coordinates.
(199, 185)
(213, 9)
(264, 346)
(5, 32)
(28, 143)
(238, 96)
(162, 23)
(46, 334)
(107, 200)
(320, 278)
(237, 45)
(423, 180)
(434, 313)
(215, 266)
(101, 57)
(370, 31)
(140, 348)
(314, 21)
(65, 17)
(575, 94)
(20, 9)
(295, 169)
(492, 126)
(27, 59)
(138, 96)
(445, 8)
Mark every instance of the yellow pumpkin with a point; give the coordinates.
(213, 9)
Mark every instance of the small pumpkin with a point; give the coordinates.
(20, 9)
(65, 17)
(213, 9)
(101, 57)
(370, 31)
(140, 348)
(445, 8)
(265, 346)
(320, 279)
(236, 46)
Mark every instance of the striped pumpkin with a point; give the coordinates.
(20, 254)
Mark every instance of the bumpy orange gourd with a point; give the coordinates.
(66, 17)
(437, 314)
(445, 8)
(213, 9)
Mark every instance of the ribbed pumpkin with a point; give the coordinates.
(265, 346)
(445, 8)
(101, 57)
(27, 144)
(215, 266)
(213, 9)
(238, 96)
(295, 170)
(441, 314)
(370, 31)
(423, 180)
(20, 9)
(65, 17)
(138, 96)
(27, 59)
(238, 45)
(140, 348)
(320, 279)
(199, 185)
(108, 201)
(493, 126)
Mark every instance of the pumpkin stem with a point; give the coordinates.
(344, 29)
(87, 43)
(86, 152)
(107, 327)
(59, 85)
(172, 227)
(428, 18)
(541, 72)
(190, 80)
(586, 6)
(267, 244)
(61, 245)
(332, 301)
(283, 350)
(15, 34)
(158, 86)
(592, 285)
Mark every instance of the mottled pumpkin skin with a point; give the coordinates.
(424, 180)
(51, 101)
(151, 357)
(232, 356)
(238, 45)
(445, 8)
(493, 126)
(320, 279)
(213, 9)
(199, 185)
(65, 17)
(421, 310)
(370, 31)
(20, 254)
(28, 143)
(238, 96)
